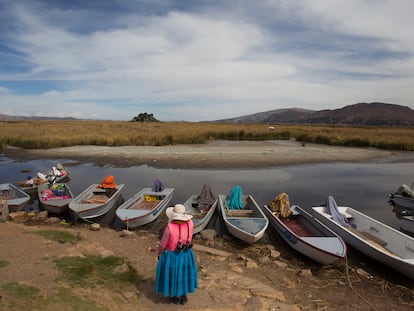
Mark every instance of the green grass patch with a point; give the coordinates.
(63, 298)
(93, 271)
(16, 296)
(3, 263)
(20, 290)
(59, 236)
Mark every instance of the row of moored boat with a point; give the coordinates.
(322, 235)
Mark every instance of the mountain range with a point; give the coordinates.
(6, 117)
(361, 114)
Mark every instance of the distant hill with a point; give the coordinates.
(372, 114)
(361, 114)
(273, 116)
(5, 117)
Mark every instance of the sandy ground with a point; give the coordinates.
(215, 154)
(232, 276)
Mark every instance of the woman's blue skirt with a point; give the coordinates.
(176, 273)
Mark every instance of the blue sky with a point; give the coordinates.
(202, 60)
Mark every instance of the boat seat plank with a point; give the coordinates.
(239, 212)
(368, 236)
(374, 238)
(257, 219)
(375, 241)
(96, 198)
(347, 215)
(148, 205)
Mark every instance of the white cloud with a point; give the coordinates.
(4, 90)
(212, 64)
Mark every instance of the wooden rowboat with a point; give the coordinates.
(94, 202)
(15, 197)
(144, 207)
(247, 224)
(201, 217)
(308, 235)
(56, 198)
(30, 186)
(371, 237)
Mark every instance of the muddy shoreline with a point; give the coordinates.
(214, 154)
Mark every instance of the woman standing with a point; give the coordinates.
(176, 274)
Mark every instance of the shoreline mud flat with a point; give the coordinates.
(215, 154)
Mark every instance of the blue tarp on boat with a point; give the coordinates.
(235, 198)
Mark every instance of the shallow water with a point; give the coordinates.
(364, 186)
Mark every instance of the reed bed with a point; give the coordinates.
(52, 134)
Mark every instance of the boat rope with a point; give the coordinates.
(350, 285)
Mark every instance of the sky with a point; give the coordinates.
(202, 60)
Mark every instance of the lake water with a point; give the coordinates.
(364, 185)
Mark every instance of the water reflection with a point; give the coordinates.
(364, 186)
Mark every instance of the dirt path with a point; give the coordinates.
(231, 276)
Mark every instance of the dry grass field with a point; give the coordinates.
(62, 133)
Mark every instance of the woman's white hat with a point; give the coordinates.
(177, 213)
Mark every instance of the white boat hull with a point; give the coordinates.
(373, 238)
(32, 189)
(15, 197)
(58, 204)
(93, 210)
(200, 218)
(249, 229)
(316, 241)
(135, 212)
